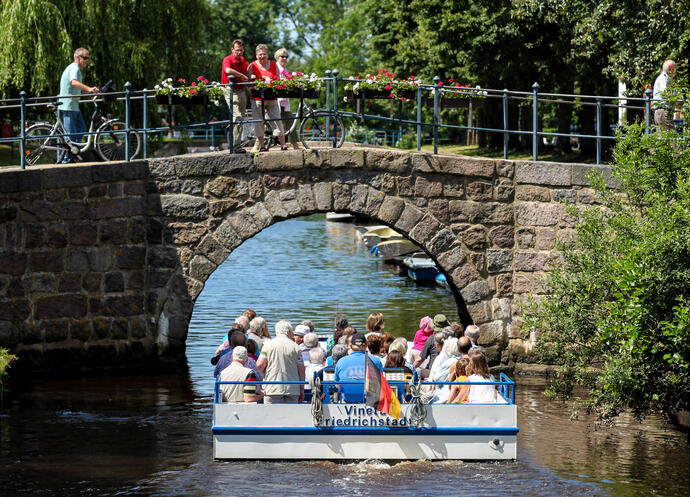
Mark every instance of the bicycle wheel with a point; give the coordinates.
(110, 141)
(41, 148)
(313, 131)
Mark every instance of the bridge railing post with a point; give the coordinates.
(231, 105)
(505, 123)
(648, 109)
(419, 118)
(22, 143)
(145, 124)
(599, 130)
(436, 112)
(328, 100)
(335, 73)
(535, 121)
(128, 112)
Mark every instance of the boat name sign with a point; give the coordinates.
(351, 415)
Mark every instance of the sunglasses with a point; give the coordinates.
(282, 56)
(85, 58)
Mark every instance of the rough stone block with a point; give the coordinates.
(543, 173)
(184, 207)
(211, 248)
(163, 257)
(341, 198)
(14, 264)
(46, 262)
(546, 238)
(532, 193)
(464, 275)
(114, 282)
(34, 236)
(260, 216)
(15, 180)
(504, 191)
(135, 280)
(358, 201)
(505, 168)
(114, 232)
(285, 161)
(504, 285)
(425, 230)
(91, 282)
(438, 207)
(289, 201)
(443, 241)
(530, 261)
(391, 209)
(243, 224)
(274, 206)
(426, 188)
(213, 164)
(491, 333)
(475, 291)
(564, 196)
(581, 173)
(201, 268)
(127, 305)
(388, 160)
(474, 237)
(480, 212)
(130, 257)
(40, 283)
(306, 199)
(503, 236)
(460, 166)
(499, 261)
(55, 331)
(537, 214)
(404, 185)
(451, 258)
(323, 196)
(118, 207)
(58, 306)
(374, 200)
(14, 309)
(88, 259)
(479, 191)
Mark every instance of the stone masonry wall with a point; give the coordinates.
(100, 264)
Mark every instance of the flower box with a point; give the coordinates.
(272, 93)
(178, 100)
(379, 94)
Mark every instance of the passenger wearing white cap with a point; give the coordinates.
(299, 332)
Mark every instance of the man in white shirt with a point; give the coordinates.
(662, 108)
(281, 360)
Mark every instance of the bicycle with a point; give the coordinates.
(318, 126)
(48, 143)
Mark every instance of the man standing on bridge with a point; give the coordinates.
(662, 108)
(236, 65)
(70, 88)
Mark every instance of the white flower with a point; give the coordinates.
(354, 88)
(157, 87)
(344, 99)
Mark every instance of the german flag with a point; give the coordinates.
(378, 392)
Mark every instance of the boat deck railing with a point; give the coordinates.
(504, 385)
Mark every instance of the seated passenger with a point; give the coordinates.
(340, 324)
(442, 372)
(237, 371)
(395, 359)
(236, 339)
(310, 341)
(352, 368)
(258, 331)
(420, 337)
(400, 344)
(375, 324)
(317, 361)
(458, 393)
(478, 370)
(375, 345)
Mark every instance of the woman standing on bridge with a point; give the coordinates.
(262, 68)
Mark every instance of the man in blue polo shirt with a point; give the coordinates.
(352, 368)
(70, 88)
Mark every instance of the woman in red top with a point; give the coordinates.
(262, 68)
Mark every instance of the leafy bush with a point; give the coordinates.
(616, 318)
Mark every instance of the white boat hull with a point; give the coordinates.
(461, 432)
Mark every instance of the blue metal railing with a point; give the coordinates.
(536, 99)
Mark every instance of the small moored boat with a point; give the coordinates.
(420, 267)
(394, 248)
(378, 235)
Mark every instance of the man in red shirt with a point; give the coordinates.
(236, 65)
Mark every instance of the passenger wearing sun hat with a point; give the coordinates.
(352, 368)
(439, 322)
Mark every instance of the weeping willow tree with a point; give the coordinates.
(138, 41)
(34, 44)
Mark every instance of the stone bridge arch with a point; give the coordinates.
(205, 207)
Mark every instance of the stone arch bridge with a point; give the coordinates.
(100, 264)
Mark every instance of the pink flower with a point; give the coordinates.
(193, 84)
(403, 98)
(205, 80)
(199, 78)
(451, 79)
(300, 74)
(388, 87)
(278, 87)
(440, 83)
(391, 96)
(412, 77)
(181, 80)
(193, 92)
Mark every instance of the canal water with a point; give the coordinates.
(150, 435)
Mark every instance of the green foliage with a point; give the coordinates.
(616, 318)
(5, 360)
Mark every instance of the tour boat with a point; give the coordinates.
(327, 430)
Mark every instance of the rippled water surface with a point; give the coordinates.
(134, 435)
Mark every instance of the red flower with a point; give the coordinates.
(193, 92)
(193, 84)
(457, 85)
(205, 80)
(411, 77)
(388, 87)
(440, 83)
(403, 98)
(199, 78)
(391, 96)
(278, 87)
(451, 79)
